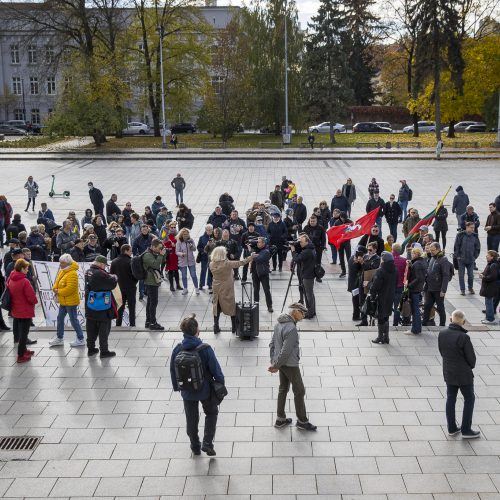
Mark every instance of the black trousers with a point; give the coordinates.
(128, 297)
(264, 281)
(451, 399)
(152, 303)
(279, 256)
(443, 237)
(98, 329)
(191, 408)
(174, 275)
(344, 254)
(356, 314)
(31, 200)
(21, 327)
(432, 298)
(319, 254)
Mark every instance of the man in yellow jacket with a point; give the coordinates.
(67, 293)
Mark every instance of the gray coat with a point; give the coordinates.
(65, 241)
(185, 252)
(32, 189)
(284, 347)
(352, 193)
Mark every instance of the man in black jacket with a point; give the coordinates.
(300, 212)
(374, 236)
(96, 198)
(355, 269)
(260, 272)
(459, 360)
(466, 250)
(112, 209)
(217, 218)
(77, 251)
(304, 257)
(317, 236)
(128, 284)
(278, 235)
(115, 242)
(178, 183)
(392, 214)
(97, 279)
(372, 204)
(436, 284)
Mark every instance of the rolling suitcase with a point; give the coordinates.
(247, 314)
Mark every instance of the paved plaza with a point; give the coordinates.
(114, 428)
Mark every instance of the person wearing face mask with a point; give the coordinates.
(349, 191)
(172, 261)
(317, 235)
(97, 199)
(36, 243)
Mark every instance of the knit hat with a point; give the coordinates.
(362, 249)
(387, 257)
(101, 259)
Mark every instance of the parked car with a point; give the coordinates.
(9, 130)
(476, 127)
(423, 126)
(136, 128)
(324, 128)
(384, 124)
(270, 130)
(183, 128)
(460, 126)
(371, 128)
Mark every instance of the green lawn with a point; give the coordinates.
(30, 142)
(266, 140)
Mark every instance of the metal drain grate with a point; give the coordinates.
(18, 443)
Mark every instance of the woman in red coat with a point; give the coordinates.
(23, 300)
(172, 265)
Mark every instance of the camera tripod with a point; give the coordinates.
(300, 285)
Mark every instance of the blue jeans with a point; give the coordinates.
(192, 272)
(492, 241)
(205, 274)
(393, 229)
(461, 275)
(334, 253)
(71, 311)
(179, 196)
(489, 302)
(416, 321)
(397, 298)
(404, 208)
(451, 399)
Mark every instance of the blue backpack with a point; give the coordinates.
(99, 301)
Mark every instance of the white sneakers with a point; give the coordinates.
(197, 290)
(76, 343)
(486, 322)
(185, 291)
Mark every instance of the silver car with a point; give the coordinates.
(134, 128)
(461, 126)
(423, 126)
(324, 128)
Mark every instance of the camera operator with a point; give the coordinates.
(114, 242)
(260, 272)
(317, 235)
(278, 235)
(248, 240)
(304, 257)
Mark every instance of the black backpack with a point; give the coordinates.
(137, 267)
(189, 371)
(410, 194)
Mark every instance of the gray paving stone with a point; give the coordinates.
(356, 465)
(74, 486)
(30, 487)
(303, 484)
(63, 468)
(343, 484)
(198, 485)
(123, 486)
(374, 484)
(471, 483)
(426, 483)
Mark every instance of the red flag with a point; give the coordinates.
(338, 234)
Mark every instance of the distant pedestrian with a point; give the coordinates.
(173, 140)
(459, 360)
(32, 187)
(392, 214)
(404, 196)
(440, 225)
(460, 203)
(372, 187)
(179, 184)
(190, 347)
(349, 191)
(96, 198)
(285, 356)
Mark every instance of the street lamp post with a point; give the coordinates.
(24, 101)
(161, 32)
(286, 135)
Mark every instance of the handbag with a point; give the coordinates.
(5, 299)
(198, 258)
(219, 390)
(369, 307)
(99, 301)
(319, 271)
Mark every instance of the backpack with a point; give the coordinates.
(452, 270)
(137, 267)
(189, 372)
(99, 301)
(410, 194)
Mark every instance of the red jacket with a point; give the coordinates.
(172, 259)
(22, 296)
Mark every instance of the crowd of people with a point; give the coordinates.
(385, 278)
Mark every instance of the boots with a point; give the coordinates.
(380, 338)
(216, 324)
(386, 332)
(3, 326)
(233, 324)
(177, 282)
(171, 280)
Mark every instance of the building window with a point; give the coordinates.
(49, 54)
(17, 85)
(34, 87)
(18, 114)
(51, 85)
(32, 54)
(14, 54)
(35, 116)
(217, 82)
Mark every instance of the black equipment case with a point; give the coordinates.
(247, 314)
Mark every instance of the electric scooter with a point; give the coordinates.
(53, 194)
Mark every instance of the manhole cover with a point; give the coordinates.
(18, 443)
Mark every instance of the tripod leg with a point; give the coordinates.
(287, 290)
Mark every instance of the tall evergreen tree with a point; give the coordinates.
(327, 80)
